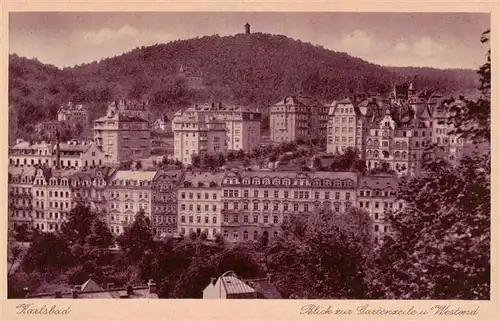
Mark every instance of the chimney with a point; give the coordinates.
(130, 290)
(213, 280)
(58, 153)
(58, 295)
(74, 294)
(152, 286)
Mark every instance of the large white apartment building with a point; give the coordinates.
(197, 133)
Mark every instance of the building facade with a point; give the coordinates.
(72, 154)
(21, 197)
(122, 137)
(199, 204)
(128, 193)
(164, 190)
(196, 133)
(52, 198)
(377, 196)
(346, 127)
(298, 116)
(74, 113)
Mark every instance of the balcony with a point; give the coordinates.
(231, 224)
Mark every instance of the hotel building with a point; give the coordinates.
(377, 196)
(298, 116)
(346, 127)
(164, 189)
(197, 133)
(199, 204)
(128, 192)
(121, 136)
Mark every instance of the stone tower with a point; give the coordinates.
(247, 28)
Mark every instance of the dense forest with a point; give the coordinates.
(256, 69)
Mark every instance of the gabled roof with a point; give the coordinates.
(233, 285)
(91, 285)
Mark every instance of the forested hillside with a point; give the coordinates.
(256, 69)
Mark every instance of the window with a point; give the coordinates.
(255, 235)
(347, 196)
(256, 219)
(214, 220)
(275, 219)
(235, 235)
(337, 195)
(245, 235)
(190, 219)
(255, 206)
(266, 219)
(255, 193)
(276, 194)
(226, 218)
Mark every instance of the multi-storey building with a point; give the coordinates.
(197, 133)
(199, 204)
(164, 197)
(346, 127)
(122, 136)
(298, 116)
(74, 113)
(398, 138)
(71, 154)
(128, 192)
(88, 186)
(52, 198)
(255, 204)
(242, 123)
(377, 196)
(20, 196)
(132, 109)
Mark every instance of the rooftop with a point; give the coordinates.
(137, 175)
(379, 182)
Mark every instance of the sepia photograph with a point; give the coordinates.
(249, 155)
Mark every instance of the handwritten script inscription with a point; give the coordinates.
(366, 309)
(30, 308)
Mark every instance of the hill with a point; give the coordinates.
(256, 69)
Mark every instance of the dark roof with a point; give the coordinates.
(264, 288)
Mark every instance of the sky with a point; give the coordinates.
(440, 40)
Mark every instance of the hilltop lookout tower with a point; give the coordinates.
(247, 28)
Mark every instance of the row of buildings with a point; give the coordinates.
(214, 128)
(239, 205)
(395, 130)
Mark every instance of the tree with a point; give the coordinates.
(221, 160)
(14, 255)
(138, 165)
(79, 225)
(47, 251)
(323, 256)
(195, 160)
(473, 121)
(137, 238)
(317, 164)
(441, 243)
